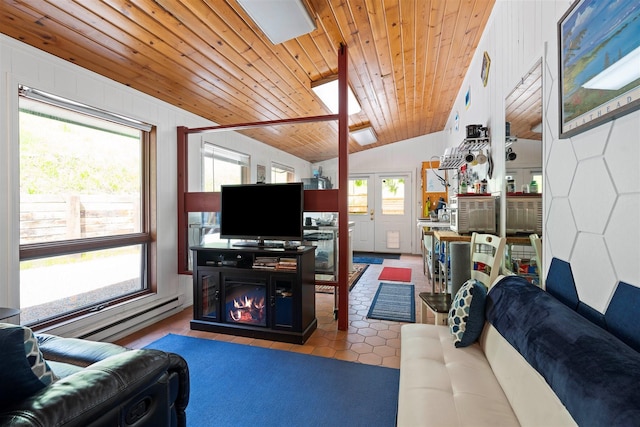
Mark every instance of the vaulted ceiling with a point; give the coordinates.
(407, 60)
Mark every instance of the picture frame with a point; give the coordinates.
(597, 49)
(486, 64)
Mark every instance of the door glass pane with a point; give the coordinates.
(358, 197)
(392, 196)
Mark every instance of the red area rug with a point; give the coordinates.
(395, 274)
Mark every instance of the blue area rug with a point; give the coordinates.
(383, 255)
(241, 385)
(367, 260)
(394, 301)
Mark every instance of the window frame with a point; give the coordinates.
(148, 211)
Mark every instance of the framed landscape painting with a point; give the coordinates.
(599, 53)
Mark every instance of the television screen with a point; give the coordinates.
(262, 211)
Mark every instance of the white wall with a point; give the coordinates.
(403, 156)
(592, 180)
(23, 64)
(260, 154)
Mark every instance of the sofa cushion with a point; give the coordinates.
(466, 316)
(594, 374)
(441, 385)
(24, 370)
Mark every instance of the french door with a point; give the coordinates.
(380, 207)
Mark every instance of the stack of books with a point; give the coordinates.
(265, 263)
(287, 264)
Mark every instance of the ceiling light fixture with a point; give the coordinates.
(327, 91)
(280, 20)
(364, 136)
(617, 75)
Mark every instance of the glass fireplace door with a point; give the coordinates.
(209, 289)
(283, 297)
(245, 301)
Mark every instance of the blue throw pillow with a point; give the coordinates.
(466, 316)
(24, 370)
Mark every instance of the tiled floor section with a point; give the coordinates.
(370, 341)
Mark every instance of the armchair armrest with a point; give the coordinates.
(76, 351)
(130, 388)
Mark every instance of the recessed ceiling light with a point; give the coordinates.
(364, 136)
(280, 20)
(327, 91)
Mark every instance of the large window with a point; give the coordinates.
(281, 173)
(221, 166)
(85, 208)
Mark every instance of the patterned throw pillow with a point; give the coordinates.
(466, 316)
(24, 370)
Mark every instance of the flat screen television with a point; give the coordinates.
(262, 212)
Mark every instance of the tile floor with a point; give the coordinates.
(370, 341)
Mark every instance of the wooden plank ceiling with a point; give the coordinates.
(407, 59)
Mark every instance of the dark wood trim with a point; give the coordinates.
(242, 126)
(343, 186)
(150, 222)
(67, 247)
(183, 168)
(202, 201)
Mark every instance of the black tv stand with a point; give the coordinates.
(282, 279)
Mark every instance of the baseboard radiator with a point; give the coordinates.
(120, 322)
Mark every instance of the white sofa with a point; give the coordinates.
(540, 360)
(486, 384)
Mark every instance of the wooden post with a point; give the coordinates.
(343, 189)
(183, 167)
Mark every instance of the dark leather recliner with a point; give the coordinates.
(103, 384)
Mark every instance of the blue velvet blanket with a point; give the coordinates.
(594, 374)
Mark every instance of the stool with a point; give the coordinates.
(438, 303)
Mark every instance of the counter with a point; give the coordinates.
(426, 227)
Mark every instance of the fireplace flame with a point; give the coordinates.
(247, 309)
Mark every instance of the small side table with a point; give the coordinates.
(438, 303)
(6, 313)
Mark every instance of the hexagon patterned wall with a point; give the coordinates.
(593, 207)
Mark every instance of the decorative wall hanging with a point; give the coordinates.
(261, 174)
(598, 57)
(467, 98)
(484, 73)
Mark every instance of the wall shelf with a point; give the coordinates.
(453, 158)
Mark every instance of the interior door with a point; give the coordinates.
(393, 213)
(380, 207)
